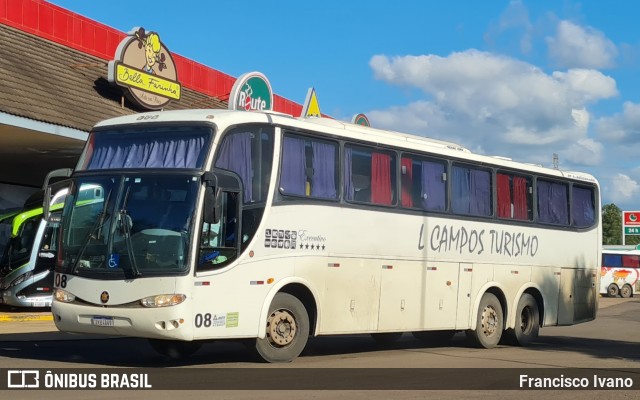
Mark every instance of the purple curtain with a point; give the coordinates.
(134, 151)
(235, 155)
(480, 190)
(582, 207)
(324, 171)
(433, 187)
(460, 190)
(552, 202)
(471, 191)
(293, 177)
(349, 192)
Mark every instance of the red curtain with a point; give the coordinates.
(407, 182)
(381, 178)
(520, 209)
(504, 196)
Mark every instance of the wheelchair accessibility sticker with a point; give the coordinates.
(114, 260)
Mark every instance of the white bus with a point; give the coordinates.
(620, 273)
(222, 224)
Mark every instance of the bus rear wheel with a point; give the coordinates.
(528, 322)
(287, 330)
(612, 290)
(626, 291)
(175, 349)
(489, 324)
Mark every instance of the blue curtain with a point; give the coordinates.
(480, 190)
(349, 192)
(552, 202)
(324, 171)
(136, 151)
(235, 155)
(293, 171)
(582, 207)
(460, 190)
(433, 187)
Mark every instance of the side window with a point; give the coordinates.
(423, 183)
(309, 168)
(470, 190)
(369, 175)
(513, 196)
(583, 210)
(218, 242)
(631, 261)
(612, 260)
(553, 202)
(248, 151)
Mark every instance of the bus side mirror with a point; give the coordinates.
(56, 173)
(212, 205)
(212, 198)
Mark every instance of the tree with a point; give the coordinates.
(612, 227)
(611, 224)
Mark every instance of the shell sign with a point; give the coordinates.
(145, 68)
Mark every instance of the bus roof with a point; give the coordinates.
(340, 129)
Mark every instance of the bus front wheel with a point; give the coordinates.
(612, 290)
(626, 291)
(489, 324)
(287, 330)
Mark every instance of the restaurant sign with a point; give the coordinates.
(145, 68)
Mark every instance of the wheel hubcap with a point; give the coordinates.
(281, 328)
(525, 320)
(489, 321)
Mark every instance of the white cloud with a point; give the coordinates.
(585, 151)
(621, 189)
(623, 127)
(500, 104)
(576, 46)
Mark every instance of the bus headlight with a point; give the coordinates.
(163, 300)
(20, 279)
(63, 296)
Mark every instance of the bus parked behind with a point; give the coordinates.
(620, 273)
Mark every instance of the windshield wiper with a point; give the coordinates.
(125, 223)
(97, 227)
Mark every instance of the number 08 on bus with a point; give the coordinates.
(265, 228)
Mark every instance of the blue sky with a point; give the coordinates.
(522, 79)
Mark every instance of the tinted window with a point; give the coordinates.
(369, 175)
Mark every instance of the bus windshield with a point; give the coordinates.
(162, 147)
(128, 226)
(18, 248)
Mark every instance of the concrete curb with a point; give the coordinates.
(25, 318)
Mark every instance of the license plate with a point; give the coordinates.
(102, 321)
